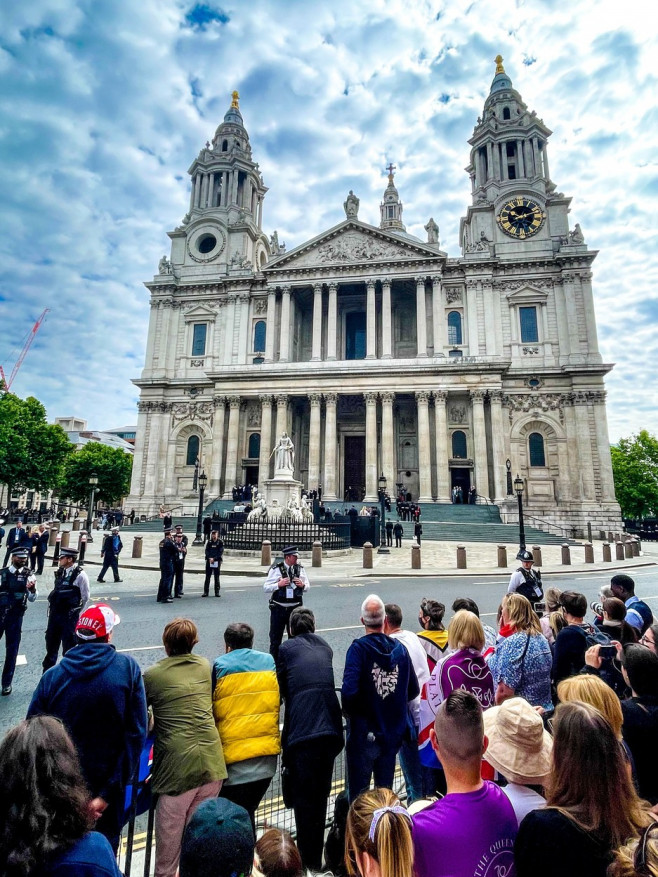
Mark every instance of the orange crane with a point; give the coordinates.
(26, 346)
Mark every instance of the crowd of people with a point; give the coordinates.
(526, 748)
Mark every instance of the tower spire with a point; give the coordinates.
(391, 206)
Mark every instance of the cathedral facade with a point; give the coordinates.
(376, 351)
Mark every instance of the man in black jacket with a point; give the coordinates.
(18, 538)
(167, 555)
(312, 731)
(214, 555)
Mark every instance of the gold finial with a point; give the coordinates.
(234, 102)
(499, 64)
(390, 170)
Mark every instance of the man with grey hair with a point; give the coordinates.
(378, 683)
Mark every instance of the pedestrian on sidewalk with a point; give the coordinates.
(398, 530)
(167, 555)
(65, 603)
(18, 586)
(180, 543)
(389, 534)
(214, 556)
(418, 531)
(110, 552)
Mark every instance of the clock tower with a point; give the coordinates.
(515, 208)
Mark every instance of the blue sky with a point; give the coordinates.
(105, 103)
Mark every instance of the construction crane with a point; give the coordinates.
(6, 383)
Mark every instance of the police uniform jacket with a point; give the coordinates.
(290, 596)
(14, 587)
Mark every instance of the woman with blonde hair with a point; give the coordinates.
(553, 621)
(378, 840)
(433, 637)
(638, 858)
(591, 805)
(521, 664)
(593, 690)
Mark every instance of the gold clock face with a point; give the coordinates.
(521, 218)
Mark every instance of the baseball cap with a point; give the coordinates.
(96, 622)
(218, 840)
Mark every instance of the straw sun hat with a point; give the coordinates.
(519, 747)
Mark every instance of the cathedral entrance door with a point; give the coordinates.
(461, 478)
(354, 467)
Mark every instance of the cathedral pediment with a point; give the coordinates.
(354, 242)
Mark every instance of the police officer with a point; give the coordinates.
(65, 602)
(526, 580)
(110, 552)
(167, 556)
(180, 541)
(214, 555)
(398, 530)
(286, 582)
(17, 586)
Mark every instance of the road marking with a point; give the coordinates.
(488, 614)
(352, 585)
(141, 649)
(20, 660)
(349, 627)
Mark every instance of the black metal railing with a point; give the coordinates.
(250, 535)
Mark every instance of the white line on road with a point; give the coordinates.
(349, 627)
(20, 659)
(141, 649)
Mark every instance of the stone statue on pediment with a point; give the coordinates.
(164, 266)
(432, 230)
(576, 236)
(351, 205)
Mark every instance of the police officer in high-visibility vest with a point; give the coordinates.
(65, 603)
(18, 586)
(286, 582)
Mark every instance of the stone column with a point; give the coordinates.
(204, 191)
(387, 322)
(316, 355)
(332, 321)
(388, 441)
(371, 447)
(480, 443)
(590, 316)
(281, 416)
(269, 330)
(439, 334)
(243, 334)
(498, 442)
(421, 318)
(584, 436)
(315, 400)
(284, 341)
(520, 169)
(424, 452)
(230, 328)
(471, 320)
(232, 446)
(265, 437)
(214, 484)
(603, 442)
(441, 430)
(371, 322)
(329, 490)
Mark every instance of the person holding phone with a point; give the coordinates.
(286, 582)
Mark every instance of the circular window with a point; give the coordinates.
(534, 383)
(206, 243)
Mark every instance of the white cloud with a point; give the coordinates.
(104, 105)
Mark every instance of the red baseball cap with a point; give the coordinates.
(97, 621)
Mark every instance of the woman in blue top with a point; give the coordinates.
(521, 664)
(44, 808)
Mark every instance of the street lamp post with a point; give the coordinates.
(518, 488)
(203, 480)
(383, 549)
(508, 466)
(93, 482)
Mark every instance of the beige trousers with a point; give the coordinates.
(172, 814)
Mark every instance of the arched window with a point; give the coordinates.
(254, 446)
(224, 145)
(192, 450)
(506, 113)
(459, 445)
(260, 331)
(536, 449)
(454, 327)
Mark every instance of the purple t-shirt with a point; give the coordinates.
(466, 835)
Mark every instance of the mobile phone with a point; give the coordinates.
(607, 651)
(540, 608)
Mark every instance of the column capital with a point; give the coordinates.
(370, 282)
(387, 398)
(265, 399)
(370, 398)
(386, 281)
(281, 400)
(477, 396)
(422, 397)
(315, 399)
(234, 401)
(330, 398)
(436, 279)
(286, 289)
(317, 287)
(332, 287)
(420, 281)
(440, 396)
(220, 401)
(496, 396)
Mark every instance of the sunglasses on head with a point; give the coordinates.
(640, 857)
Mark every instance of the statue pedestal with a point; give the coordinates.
(281, 488)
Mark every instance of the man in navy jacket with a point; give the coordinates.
(378, 683)
(18, 538)
(99, 696)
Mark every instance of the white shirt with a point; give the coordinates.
(31, 580)
(523, 800)
(274, 577)
(418, 657)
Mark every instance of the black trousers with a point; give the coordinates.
(398, 541)
(11, 625)
(279, 618)
(109, 561)
(247, 795)
(389, 538)
(214, 572)
(59, 631)
(310, 767)
(166, 582)
(179, 569)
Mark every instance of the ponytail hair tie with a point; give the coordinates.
(377, 815)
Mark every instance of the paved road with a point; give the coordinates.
(335, 600)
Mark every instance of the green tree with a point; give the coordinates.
(32, 451)
(112, 466)
(635, 470)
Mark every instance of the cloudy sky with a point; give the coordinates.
(105, 103)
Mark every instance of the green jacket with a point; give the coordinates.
(187, 751)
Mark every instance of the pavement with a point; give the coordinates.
(437, 559)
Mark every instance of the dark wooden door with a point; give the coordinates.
(354, 465)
